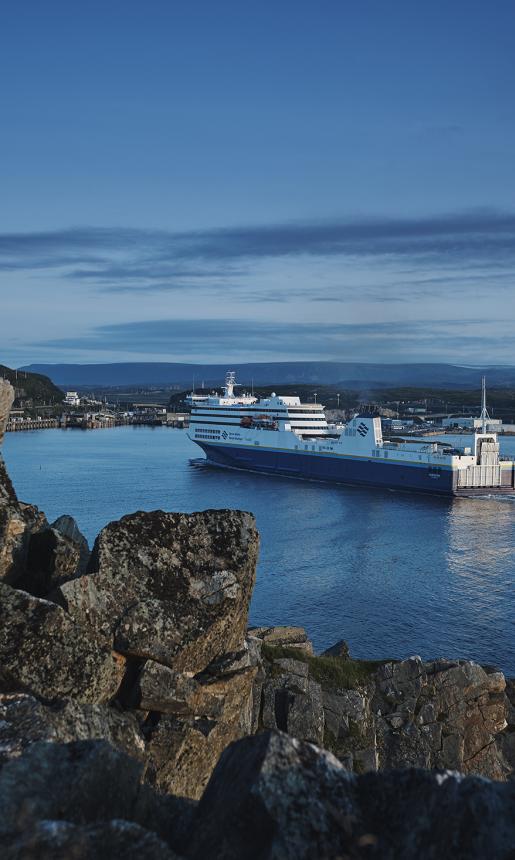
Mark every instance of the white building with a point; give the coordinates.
(493, 425)
(72, 398)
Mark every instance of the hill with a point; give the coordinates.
(32, 386)
(356, 376)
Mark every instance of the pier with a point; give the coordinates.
(17, 424)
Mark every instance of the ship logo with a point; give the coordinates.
(224, 434)
(363, 429)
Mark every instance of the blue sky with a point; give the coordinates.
(241, 181)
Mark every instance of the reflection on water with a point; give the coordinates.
(481, 534)
(393, 573)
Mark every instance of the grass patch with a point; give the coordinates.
(332, 673)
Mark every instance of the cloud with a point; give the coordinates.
(221, 339)
(117, 259)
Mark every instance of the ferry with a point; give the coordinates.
(279, 435)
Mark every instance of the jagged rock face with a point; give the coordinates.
(505, 742)
(275, 797)
(439, 714)
(6, 401)
(171, 593)
(292, 702)
(193, 719)
(443, 714)
(17, 523)
(174, 588)
(17, 520)
(43, 652)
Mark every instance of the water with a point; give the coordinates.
(392, 573)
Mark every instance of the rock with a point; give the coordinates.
(69, 529)
(443, 714)
(288, 637)
(6, 401)
(52, 559)
(272, 796)
(85, 784)
(183, 749)
(292, 702)
(43, 652)
(55, 554)
(161, 689)
(80, 782)
(110, 840)
(505, 741)
(350, 729)
(339, 649)
(173, 588)
(25, 720)
(17, 522)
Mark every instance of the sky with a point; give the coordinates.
(241, 181)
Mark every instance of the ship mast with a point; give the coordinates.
(230, 382)
(485, 418)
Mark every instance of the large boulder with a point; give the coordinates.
(272, 797)
(80, 782)
(107, 840)
(87, 784)
(174, 588)
(24, 720)
(44, 652)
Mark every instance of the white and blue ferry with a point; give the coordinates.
(280, 435)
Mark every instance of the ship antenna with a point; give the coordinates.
(484, 411)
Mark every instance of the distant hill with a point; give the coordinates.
(356, 376)
(32, 386)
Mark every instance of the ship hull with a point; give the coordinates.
(348, 470)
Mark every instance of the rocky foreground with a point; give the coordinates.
(140, 717)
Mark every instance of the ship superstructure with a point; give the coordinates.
(281, 435)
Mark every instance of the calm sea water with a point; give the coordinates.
(392, 573)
